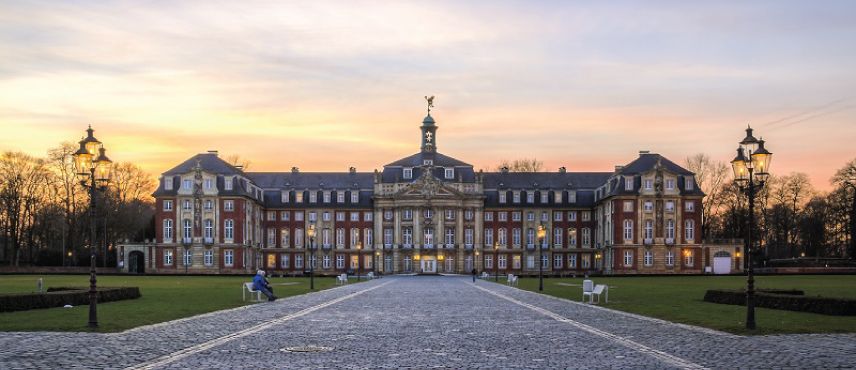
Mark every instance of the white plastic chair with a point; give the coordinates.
(588, 288)
(248, 288)
(342, 279)
(599, 290)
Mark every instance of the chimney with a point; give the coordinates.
(562, 169)
(618, 168)
(504, 169)
(213, 152)
(352, 170)
(240, 167)
(295, 170)
(644, 152)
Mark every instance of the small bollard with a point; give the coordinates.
(40, 285)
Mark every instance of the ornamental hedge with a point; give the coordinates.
(791, 300)
(58, 297)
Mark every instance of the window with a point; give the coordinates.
(284, 196)
(545, 261)
(340, 216)
(188, 257)
(586, 261)
(670, 230)
(313, 197)
(649, 258)
(689, 230)
(340, 261)
(670, 206)
(557, 237)
(572, 196)
(387, 263)
(271, 237)
(586, 216)
(670, 184)
(407, 214)
(515, 196)
(450, 173)
(628, 258)
(283, 260)
(326, 238)
(468, 214)
(188, 230)
(284, 238)
(544, 198)
(649, 184)
(187, 184)
(298, 216)
(429, 237)
(628, 230)
(557, 261)
(313, 217)
(488, 261)
(407, 173)
(502, 237)
(427, 162)
(572, 216)
(628, 206)
(367, 237)
(209, 205)
(450, 214)
(228, 205)
(488, 216)
(515, 216)
(572, 237)
(285, 216)
(503, 261)
(387, 215)
(670, 258)
(530, 216)
(530, 197)
(690, 183)
(427, 213)
(326, 196)
(228, 184)
(648, 206)
(355, 216)
(167, 205)
(572, 261)
(208, 257)
(689, 206)
(325, 262)
(229, 229)
(167, 183)
(387, 237)
(271, 215)
(209, 230)
(502, 197)
(689, 258)
(586, 237)
(628, 183)
(167, 257)
(468, 237)
(649, 231)
(530, 237)
(298, 261)
(167, 230)
(355, 196)
(515, 259)
(209, 184)
(450, 236)
(186, 204)
(340, 197)
(515, 235)
(298, 197)
(545, 216)
(367, 216)
(530, 262)
(298, 237)
(407, 234)
(229, 258)
(557, 216)
(557, 197)
(502, 216)
(488, 238)
(326, 216)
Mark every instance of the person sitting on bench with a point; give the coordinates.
(261, 284)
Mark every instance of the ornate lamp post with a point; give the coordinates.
(541, 234)
(93, 171)
(496, 262)
(750, 174)
(359, 259)
(311, 233)
(374, 264)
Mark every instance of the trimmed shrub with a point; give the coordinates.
(58, 297)
(786, 300)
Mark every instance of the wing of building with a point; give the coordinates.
(428, 213)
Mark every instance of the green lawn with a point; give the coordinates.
(679, 299)
(163, 298)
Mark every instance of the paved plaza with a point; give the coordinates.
(422, 322)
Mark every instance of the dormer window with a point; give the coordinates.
(407, 173)
(557, 196)
(544, 199)
(326, 197)
(167, 183)
(530, 197)
(516, 197)
(502, 196)
(355, 196)
(428, 162)
(690, 184)
(340, 197)
(284, 196)
(628, 183)
(450, 173)
(313, 197)
(229, 183)
(572, 196)
(186, 184)
(209, 183)
(649, 184)
(298, 197)
(670, 184)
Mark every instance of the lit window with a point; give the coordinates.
(298, 197)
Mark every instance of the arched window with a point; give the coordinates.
(628, 230)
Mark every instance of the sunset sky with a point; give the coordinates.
(328, 85)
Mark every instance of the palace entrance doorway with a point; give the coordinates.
(429, 265)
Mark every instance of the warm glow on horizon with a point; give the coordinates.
(324, 86)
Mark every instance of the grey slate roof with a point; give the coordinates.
(393, 172)
(312, 180)
(545, 180)
(648, 161)
(418, 159)
(209, 162)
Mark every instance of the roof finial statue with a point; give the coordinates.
(430, 101)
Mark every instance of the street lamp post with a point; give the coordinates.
(496, 262)
(311, 234)
(750, 174)
(359, 259)
(541, 234)
(94, 175)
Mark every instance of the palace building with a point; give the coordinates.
(429, 213)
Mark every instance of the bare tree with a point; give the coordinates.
(711, 176)
(846, 178)
(237, 161)
(67, 189)
(521, 165)
(130, 182)
(24, 182)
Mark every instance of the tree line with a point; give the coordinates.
(44, 211)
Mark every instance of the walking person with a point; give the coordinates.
(474, 275)
(260, 284)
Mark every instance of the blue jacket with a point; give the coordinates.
(258, 282)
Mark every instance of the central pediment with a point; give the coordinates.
(427, 187)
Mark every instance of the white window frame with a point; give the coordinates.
(208, 257)
(167, 257)
(649, 258)
(407, 173)
(228, 258)
(167, 205)
(628, 258)
(449, 173)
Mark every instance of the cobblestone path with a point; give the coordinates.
(422, 322)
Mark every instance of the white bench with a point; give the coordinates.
(512, 280)
(248, 288)
(342, 279)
